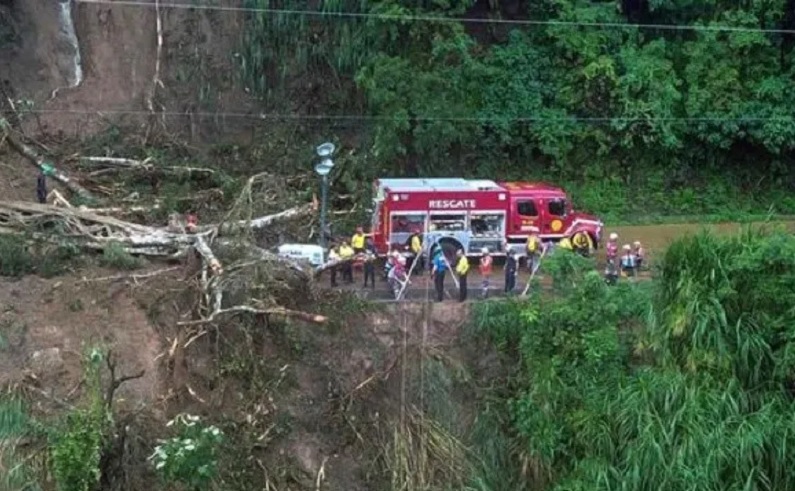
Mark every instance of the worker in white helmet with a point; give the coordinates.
(639, 254)
(628, 261)
(612, 248)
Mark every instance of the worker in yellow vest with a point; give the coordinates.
(582, 243)
(534, 247)
(333, 256)
(357, 241)
(416, 248)
(346, 254)
(462, 269)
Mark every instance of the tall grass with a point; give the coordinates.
(708, 406)
(726, 306)
(422, 455)
(15, 472)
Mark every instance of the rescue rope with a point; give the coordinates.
(536, 267)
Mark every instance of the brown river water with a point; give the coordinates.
(655, 238)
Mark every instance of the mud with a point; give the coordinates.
(655, 238)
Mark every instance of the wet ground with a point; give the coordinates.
(655, 238)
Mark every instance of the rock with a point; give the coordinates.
(46, 360)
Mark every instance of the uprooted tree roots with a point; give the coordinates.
(240, 278)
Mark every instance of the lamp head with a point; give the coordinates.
(325, 150)
(323, 168)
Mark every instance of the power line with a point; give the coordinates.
(430, 18)
(462, 119)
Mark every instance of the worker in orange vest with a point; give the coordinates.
(485, 268)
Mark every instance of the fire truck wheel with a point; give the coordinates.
(449, 249)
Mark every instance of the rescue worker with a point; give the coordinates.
(390, 262)
(462, 269)
(369, 263)
(397, 275)
(346, 254)
(485, 268)
(534, 248)
(582, 243)
(639, 255)
(41, 188)
(358, 240)
(438, 272)
(628, 261)
(612, 248)
(416, 248)
(565, 243)
(510, 271)
(333, 255)
(611, 273)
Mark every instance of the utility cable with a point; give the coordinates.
(462, 119)
(439, 19)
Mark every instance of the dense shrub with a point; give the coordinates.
(684, 386)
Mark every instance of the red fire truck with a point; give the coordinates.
(469, 214)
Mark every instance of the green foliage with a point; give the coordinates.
(115, 256)
(724, 306)
(631, 120)
(76, 444)
(495, 451)
(683, 385)
(21, 257)
(190, 457)
(14, 424)
(567, 269)
(16, 259)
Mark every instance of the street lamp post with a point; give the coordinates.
(323, 168)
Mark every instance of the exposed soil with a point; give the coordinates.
(118, 47)
(295, 398)
(48, 325)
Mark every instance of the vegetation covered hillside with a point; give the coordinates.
(684, 383)
(680, 116)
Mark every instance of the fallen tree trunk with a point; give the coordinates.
(117, 163)
(91, 230)
(94, 228)
(41, 163)
(229, 228)
(278, 311)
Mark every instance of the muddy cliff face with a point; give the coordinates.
(76, 60)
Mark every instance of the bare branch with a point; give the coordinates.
(39, 161)
(314, 318)
(116, 163)
(134, 277)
